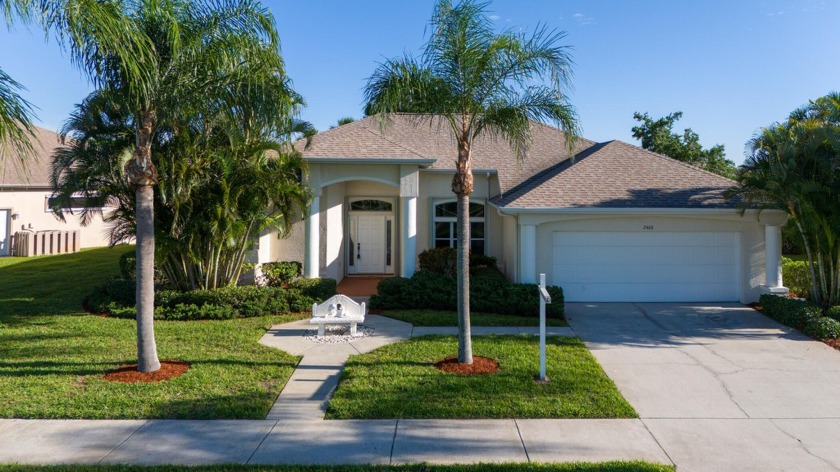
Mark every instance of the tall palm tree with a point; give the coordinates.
(90, 30)
(16, 129)
(793, 166)
(197, 54)
(479, 82)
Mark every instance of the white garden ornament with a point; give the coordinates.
(338, 310)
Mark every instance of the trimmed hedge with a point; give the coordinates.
(444, 261)
(823, 328)
(490, 292)
(223, 303)
(802, 315)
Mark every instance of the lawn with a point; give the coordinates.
(511, 467)
(450, 318)
(54, 355)
(400, 381)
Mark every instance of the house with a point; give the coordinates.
(25, 199)
(616, 223)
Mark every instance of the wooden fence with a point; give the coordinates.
(38, 243)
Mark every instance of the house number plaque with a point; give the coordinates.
(647, 227)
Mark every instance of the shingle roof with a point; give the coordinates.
(408, 136)
(619, 175)
(36, 171)
(606, 175)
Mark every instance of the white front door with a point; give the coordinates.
(5, 236)
(370, 244)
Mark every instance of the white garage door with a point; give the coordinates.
(647, 266)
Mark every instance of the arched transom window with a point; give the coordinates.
(446, 233)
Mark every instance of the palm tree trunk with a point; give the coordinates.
(141, 173)
(462, 185)
(147, 358)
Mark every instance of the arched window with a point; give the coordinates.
(370, 205)
(446, 232)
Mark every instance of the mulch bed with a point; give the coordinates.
(835, 343)
(480, 365)
(130, 374)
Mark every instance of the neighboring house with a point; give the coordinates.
(25, 194)
(618, 224)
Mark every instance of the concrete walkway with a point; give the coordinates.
(718, 388)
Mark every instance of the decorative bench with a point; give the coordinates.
(338, 310)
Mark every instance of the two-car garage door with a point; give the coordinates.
(647, 266)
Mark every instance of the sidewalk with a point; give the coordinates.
(295, 432)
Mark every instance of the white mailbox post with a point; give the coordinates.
(544, 298)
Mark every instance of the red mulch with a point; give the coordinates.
(130, 374)
(835, 343)
(480, 365)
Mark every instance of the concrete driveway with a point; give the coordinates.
(720, 387)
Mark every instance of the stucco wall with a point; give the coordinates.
(752, 239)
(31, 206)
(436, 187)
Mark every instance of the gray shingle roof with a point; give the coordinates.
(606, 175)
(619, 175)
(408, 136)
(36, 172)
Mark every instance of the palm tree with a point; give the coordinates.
(479, 82)
(793, 166)
(197, 55)
(91, 31)
(16, 130)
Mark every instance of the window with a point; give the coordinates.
(76, 203)
(370, 205)
(446, 232)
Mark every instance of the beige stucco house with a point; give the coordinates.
(25, 194)
(616, 223)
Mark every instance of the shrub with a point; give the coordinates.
(489, 292)
(778, 308)
(833, 312)
(823, 328)
(389, 292)
(223, 303)
(800, 318)
(319, 289)
(444, 261)
(279, 274)
(795, 276)
(128, 269)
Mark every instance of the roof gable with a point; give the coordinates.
(619, 175)
(36, 171)
(416, 136)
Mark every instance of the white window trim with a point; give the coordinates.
(48, 209)
(450, 219)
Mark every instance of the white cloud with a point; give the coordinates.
(494, 17)
(582, 19)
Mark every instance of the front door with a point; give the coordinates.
(370, 244)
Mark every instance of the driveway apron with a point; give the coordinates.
(721, 387)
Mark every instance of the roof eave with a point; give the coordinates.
(370, 160)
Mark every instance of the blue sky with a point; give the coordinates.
(729, 66)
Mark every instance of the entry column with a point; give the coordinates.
(773, 260)
(409, 191)
(528, 254)
(311, 264)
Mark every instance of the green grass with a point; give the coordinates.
(450, 318)
(400, 381)
(510, 467)
(53, 356)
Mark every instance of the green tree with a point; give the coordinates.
(659, 136)
(478, 82)
(198, 53)
(87, 29)
(793, 166)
